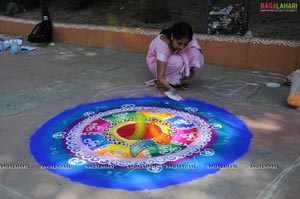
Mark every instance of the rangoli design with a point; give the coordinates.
(140, 143)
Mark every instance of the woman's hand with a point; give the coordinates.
(172, 90)
(161, 70)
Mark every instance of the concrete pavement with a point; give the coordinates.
(35, 86)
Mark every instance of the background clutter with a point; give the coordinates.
(15, 45)
(231, 20)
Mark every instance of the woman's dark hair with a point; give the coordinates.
(179, 30)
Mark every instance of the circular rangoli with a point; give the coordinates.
(140, 143)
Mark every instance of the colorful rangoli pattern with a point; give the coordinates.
(140, 143)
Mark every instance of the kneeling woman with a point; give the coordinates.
(173, 57)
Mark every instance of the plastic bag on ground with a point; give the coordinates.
(294, 96)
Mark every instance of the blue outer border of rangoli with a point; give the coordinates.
(235, 130)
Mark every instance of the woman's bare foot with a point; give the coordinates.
(182, 87)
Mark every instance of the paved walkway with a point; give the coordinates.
(37, 85)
